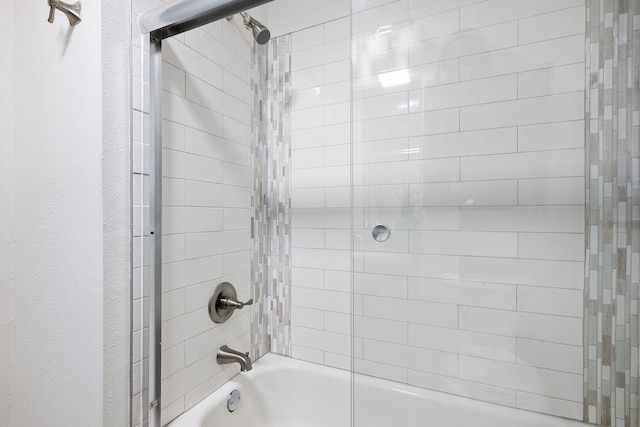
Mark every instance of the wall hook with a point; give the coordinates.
(71, 10)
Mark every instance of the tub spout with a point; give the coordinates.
(228, 355)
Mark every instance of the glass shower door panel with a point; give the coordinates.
(206, 206)
(468, 146)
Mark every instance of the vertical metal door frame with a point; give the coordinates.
(155, 270)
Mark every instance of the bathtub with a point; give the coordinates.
(285, 392)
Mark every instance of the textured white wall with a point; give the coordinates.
(56, 263)
(6, 199)
(116, 190)
(56, 361)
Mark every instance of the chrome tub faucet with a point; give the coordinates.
(227, 355)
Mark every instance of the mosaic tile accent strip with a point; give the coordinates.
(271, 198)
(613, 196)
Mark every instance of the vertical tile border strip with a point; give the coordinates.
(280, 123)
(259, 254)
(271, 198)
(612, 118)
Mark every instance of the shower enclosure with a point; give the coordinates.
(438, 193)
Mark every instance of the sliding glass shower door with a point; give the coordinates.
(206, 206)
(469, 201)
(403, 188)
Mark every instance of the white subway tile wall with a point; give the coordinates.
(468, 143)
(206, 223)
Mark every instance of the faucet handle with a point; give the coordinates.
(224, 301)
(71, 10)
(232, 304)
(52, 11)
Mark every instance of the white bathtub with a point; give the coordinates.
(285, 392)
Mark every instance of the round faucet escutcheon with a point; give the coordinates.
(224, 301)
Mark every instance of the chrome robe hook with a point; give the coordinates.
(71, 10)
